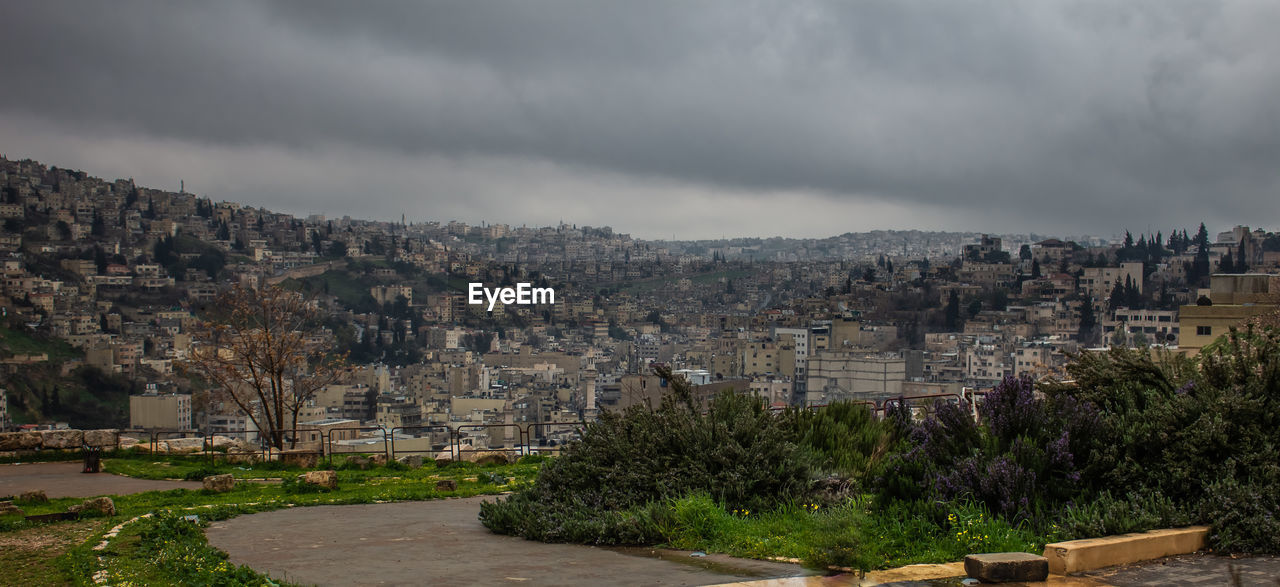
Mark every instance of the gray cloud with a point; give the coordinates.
(778, 116)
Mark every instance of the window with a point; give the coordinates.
(1204, 330)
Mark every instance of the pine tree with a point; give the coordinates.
(1088, 322)
(1117, 297)
(1199, 273)
(952, 312)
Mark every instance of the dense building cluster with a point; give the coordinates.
(123, 274)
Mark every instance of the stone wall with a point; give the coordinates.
(58, 439)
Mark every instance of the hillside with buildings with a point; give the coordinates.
(105, 282)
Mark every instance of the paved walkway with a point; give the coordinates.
(442, 543)
(66, 480)
(1194, 569)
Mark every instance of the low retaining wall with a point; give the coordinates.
(1074, 556)
(58, 439)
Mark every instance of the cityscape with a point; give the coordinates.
(119, 274)
(778, 294)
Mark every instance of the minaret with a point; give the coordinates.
(590, 376)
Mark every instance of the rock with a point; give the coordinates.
(446, 485)
(326, 479)
(19, 440)
(444, 462)
(102, 505)
(223, 442)
(411, 461)
(242, 458)
(101, 438)
(1005, 567)
(359, 461)
(61, 438)
(7, 508)
(181, 445)
(36, 496)
(379, 460)
(305, 459)
(219, 483)
(490, 458)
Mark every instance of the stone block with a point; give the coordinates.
(446, 485)
(182, 445)
(490, 458)
(411, 461)
(242, 458)
(326, 479)
(305, 459)
(19, 440)
(359, 461)
(1007, 567)
(7, 508)
(378, 460)
(101, 438)
(34, 496)
(62, 438)
(102, 505)
(219, 483)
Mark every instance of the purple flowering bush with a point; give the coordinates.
(1024, 461)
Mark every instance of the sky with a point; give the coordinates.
(666, 119)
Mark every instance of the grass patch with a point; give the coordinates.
(23, 343)
(851, 534)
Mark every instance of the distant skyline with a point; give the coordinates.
(699, 120)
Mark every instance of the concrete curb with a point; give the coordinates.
(1074, 556)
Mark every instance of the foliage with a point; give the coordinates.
(846, 439)
(737, 452)
(1022, 463)
(1205, 435)
(1107, 515)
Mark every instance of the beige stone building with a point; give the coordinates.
(154, 411)
(1235, 299)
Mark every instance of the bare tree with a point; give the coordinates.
(260, 348)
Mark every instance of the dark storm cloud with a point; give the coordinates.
(1092, 116)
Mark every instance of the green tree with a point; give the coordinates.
(952, 312)
(1087, 332)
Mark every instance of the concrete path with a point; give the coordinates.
(442, 543)
(1194, 569)
(66, 480)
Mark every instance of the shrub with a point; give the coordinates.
(738, 453)
(1022, 463)
(846, 439)
(1134, 512)
(1204, 434)
(1245, 516)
